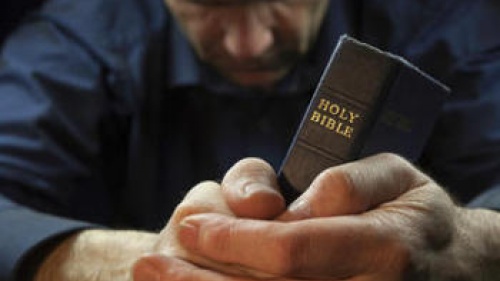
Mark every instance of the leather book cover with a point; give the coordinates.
(367, 101)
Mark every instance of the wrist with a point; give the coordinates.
(96, 255)
(480, 230)
(473, 252)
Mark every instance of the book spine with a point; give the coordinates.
(366, 102)
(343, 108)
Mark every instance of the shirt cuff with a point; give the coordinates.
(23, 231)
(490, 199)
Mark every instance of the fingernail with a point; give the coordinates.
(254, 188)
(300, 209)
(188, 233)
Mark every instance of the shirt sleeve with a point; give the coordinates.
(489, 200)
(463, 154)
(52, 101)
(24, 230)
(73, 95)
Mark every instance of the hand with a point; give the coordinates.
(256, 196)
(111, 254)
(375, 219)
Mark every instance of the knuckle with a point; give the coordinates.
(395, 163)
(342, 178)
(200, 187)
(195, 201)
(390, 158)
(389, 171)
(180, 213)
(403, 171)
(247, 171)
(185, 209)
(338, 185)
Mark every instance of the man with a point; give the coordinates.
(110, 114)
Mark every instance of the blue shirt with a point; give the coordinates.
(107, 117)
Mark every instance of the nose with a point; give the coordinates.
(247, 35)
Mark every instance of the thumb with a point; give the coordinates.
(356, 187)
(251, 190)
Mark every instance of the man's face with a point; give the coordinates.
(252, 42)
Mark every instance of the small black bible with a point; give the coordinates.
(367, 101)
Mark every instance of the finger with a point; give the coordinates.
(334, 248)
(356, 187)
(163, 268)
(251, 190)
(145, 269)
(205, 197)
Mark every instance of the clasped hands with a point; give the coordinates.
(378, 218)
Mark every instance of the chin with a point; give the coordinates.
(260, 79)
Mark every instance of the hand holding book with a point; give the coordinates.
(367, 101)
